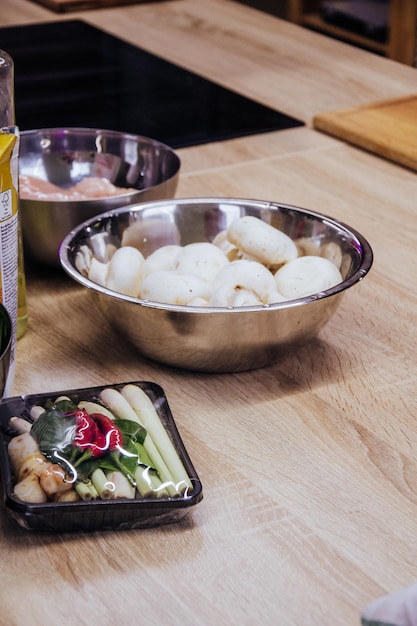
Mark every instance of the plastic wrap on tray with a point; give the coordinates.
(95, 458)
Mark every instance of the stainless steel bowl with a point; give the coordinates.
(5, 347)
(64, 156)
(216, 339)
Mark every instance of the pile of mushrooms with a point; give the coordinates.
(249, 264)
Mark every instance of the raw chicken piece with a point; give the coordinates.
(94, 187)
(90, 188)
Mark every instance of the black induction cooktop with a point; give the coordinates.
(69, 73)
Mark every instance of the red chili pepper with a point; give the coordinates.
(108, 428)
(88, 437)
(95, 435)
(85, 428)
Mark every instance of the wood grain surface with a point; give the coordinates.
(309, 467)
(388, 128)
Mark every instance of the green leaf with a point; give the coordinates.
(131, 429)
(85, 469)
(62, 407)
(54, 430)
(125, 464)
(144, 457)
(129, 455)
(125, 460)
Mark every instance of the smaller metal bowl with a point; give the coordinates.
(64, 156)
(216, 339)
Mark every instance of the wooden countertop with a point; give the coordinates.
(309, 467)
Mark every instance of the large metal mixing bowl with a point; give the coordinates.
(64, 156)
(216, 339)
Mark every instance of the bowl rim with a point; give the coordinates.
(84, 130)
(357, 276)
(7, 338)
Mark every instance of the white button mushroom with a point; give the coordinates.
(97, 272)
(83, 259)
(333, 253)
(162, 259)
(307, 246)
(232, 295)
(198, 301)
(226, 246)
(125, 272)
(306, 276)
(261, 241)
(202, 259)
(172, 287)
(249, 275)
(220, 239)
(275, 297)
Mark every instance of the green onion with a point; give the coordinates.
(105, 489)
(148, 416)
(114, 400)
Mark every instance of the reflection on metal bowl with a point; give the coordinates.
(207, 338)
(5, 347)
(64, 156)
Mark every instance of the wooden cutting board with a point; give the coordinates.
(387, 128)
(62, 6)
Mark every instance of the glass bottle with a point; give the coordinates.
(7, 119)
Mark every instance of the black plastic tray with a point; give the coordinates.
(115, 514)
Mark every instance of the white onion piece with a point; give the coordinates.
(125, 273)
(261, 241)
(172, 287)
(305, 276)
